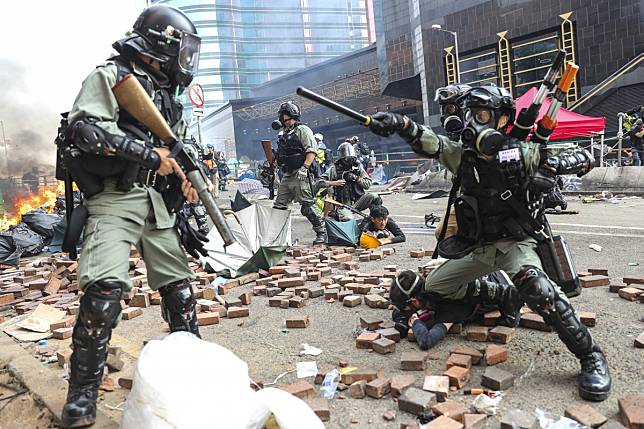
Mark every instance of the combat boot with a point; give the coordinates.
(80, 408)
(178, 307)
(316, 221)
(501, 293)
(320, 236)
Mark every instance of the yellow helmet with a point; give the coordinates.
(368, 241)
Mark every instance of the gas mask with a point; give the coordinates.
(276, 125)
(450, 100)
(480, 133)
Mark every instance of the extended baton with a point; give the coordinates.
(320, 99)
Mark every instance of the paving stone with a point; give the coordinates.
(297, 322)
(517, 419)
(501, 334)
(232, 302)
(594, 281)
(491, 317)
(378, 388)
(495, 354)
(376, 301)
(443, 422)
(534, 321)
(296, 302)
(477, 333)
(639, 341)
(235, 312)
(413, 361)
(399, 382)
(302, 389)
(320, 407)
(629, 293)
(586, 415)
(438, 385)
(316, 292)
(416, 401)
(497, 379)
(464, 361)
(476, 355)
(63, 356)
(208, 318)
(458, 376)
(131, 312)
(631, 411)
(361, 374)
(452, 409)
(364, 340)
(390, 333)
(383, 346)
(474, 421)
(357, 390)
(62, 333)
(588, 318)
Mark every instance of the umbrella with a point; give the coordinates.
(342, 233)
(262, 234)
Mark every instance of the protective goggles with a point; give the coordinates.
(189, 48)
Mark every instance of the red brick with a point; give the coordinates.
(634, 280)
(534, 321)
(390, 333)
(495, 354)
(444, 422)
(52, 287)
(383, 346)
(615, 288)
(371, 323)
(491, 317)
(477, 333)
(588, 318)
(594, 281)
(296, 302)
(631, 411)
(362, 374)
(343, 257)
(400, 382)
(378, 388)
(131, 313)
(458, 376)
(290, 282)
(297, 322)
(413, 361)
(67, 322)
(245, 298)
(496, 379)
(586, 415)
(301, 389)
(6, 298)
(474, 421)
(358, 389)
(416, 401)
(501, 334)
(234, 312)
(629, 293)
(470, 351)
(209, 318)
(126, 382)
(438, 385)
(417, 253)
(352, 301)
(62, 333)
(639, 341)
(331, 293)
(452, 409)
(464, 361)
(376, 301)
(63, 356)
(140, 300)
(364, 340)
(598, 271)
(320, 407)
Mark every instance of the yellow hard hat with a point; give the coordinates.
(368, 241)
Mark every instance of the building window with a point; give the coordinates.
(479, 68)
(530, 61)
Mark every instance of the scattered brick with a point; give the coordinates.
(389, 415)
(400, 382)
(320, 407)
(290, 282)
(114, 363)
(413, 361)
(588, 318)
(438, 385)
(342, 257)
(634, 280)
(352, 300)
(495, 354)
(62, 333)
(383, 346)
(416, 401)
(378, 388)
(417, 253)
(245, 298)
(376, 301)
(639, 341)
(594, 281)
(362, 374)
(390, 333)
(464, 361)
(273, 291)
(497, 379)
(491, 317)
(517, 419)
(155, 296)
(297, 322)
(140, 300)
(208, 318)
(67, 322)
(458, 376)
(364, 340)
(586, 415)
(631, 411)
(629, 293)
(297, 302)
(501, 334)
(534, 321)
(598, 271)
(357, 390)
(126, 382)
(452, 409)
(316, 292)
(131, 313)
(63, 356)
(470, 351)
(331, 293)
(234, 312)
(301, 389)
(474, 421)
(477, 333)
(371, 323)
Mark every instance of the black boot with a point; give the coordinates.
(100, 308)
(496, 289)
(594, 380)
(320, 236)
(317, 222)
(178, 307)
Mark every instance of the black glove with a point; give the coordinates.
(385, 124)
(545, 177)
(401, 320)
(350, 177)
(191, 239)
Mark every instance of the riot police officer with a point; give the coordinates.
(296, 152)
(349, 183)
(196, 209)
(500, 217)
(133, 187)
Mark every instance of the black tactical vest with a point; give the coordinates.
(290, 152)
(482, 210)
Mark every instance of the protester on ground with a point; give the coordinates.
(380, 225)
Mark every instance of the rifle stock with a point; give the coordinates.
(267, 145)
(132, 98)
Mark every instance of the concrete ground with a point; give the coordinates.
(545, 371)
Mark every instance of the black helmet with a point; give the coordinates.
(166, 35)
(291, 109)
(492, 97)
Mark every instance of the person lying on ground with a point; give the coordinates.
(381, 226)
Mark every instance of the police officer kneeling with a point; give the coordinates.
(500, 217)
(133, 190)
(349, 182)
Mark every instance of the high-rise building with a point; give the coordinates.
(247, 42)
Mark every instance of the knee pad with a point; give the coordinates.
(178, 306)
(534, 287)
(100, 308)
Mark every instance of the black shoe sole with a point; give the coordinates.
(593, 396)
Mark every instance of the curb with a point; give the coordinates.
(42, 382)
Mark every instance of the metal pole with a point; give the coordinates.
(592, 146)
(620, 134)
(458, 66)
(601, 156)
(199, 130)
(4, 143)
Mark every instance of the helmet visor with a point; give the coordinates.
(189, 53)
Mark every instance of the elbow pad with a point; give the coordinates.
(90, 138)
(577, 162)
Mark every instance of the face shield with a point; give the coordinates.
(188, 59)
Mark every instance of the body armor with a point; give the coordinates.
(290, 152)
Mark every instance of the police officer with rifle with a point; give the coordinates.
(296, 152)
(130, 165)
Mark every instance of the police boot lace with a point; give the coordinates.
(594, 380)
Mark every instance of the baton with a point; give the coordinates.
(320, 99)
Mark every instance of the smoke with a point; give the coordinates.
(29, 126)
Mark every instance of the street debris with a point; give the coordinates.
(595, 247)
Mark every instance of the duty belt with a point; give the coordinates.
(148, 177)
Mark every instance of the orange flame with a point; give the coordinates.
(45, 198)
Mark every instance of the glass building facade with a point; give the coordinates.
(248, 42)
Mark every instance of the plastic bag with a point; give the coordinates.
(549, 421)
(41, 222)
(17, 241)
(184, 382)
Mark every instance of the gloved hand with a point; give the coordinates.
(303, 173)
(385, 124)
(544, 178)
(350, 177)
(191, 239)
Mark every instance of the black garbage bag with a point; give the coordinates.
(41, 222)
(25, 242)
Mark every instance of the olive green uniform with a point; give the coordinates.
(291, 188)
(363, 202)
(450, 279)
(117, 220)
